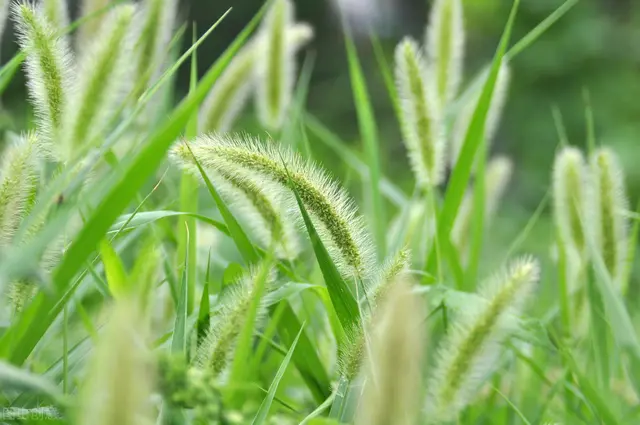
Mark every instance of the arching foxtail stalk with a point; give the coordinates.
(333, 211)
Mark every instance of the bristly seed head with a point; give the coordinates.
(104, 72)
(445, 48)
(472, 347)
(421, 123)
(333, 211)
(275, 65)
(607, 204)
(57, 13)
(231, 91)
(569, 192)
(49, 68)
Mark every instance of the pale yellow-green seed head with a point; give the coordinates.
(473, 344)
(49, 68)
(271, 165)
(57, 13)
(569, 200)
(275, 65)
(393, 374)
(445, 48)
(607, 205)
(421, 123)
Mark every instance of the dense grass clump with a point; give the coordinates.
(161, 264)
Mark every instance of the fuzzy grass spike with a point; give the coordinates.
(156, 30)
(421, 125)
(275, 65)
(93, 11)
(472, 347)
(607, 203)
(49, 68)
(569, 201)
(104, 71)
(333, 211)
(118, 384)
(445, 48)
(232, 90)
(393, 372)
(18, 178)
(264, 211)
(216, 350)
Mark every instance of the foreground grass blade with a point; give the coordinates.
(344, 303)
(261, 416)
(179, 340)
(474, 140)
(16, 378)
(369, 134)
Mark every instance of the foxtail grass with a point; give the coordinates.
(473, 344)
(445, 48)
(104, 70)
(49, 68)
(333, 211)
(393, 370)
(606, 205)
(57, 13)
(421, 123)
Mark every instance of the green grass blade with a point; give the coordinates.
(179, 340)
(387, 74)
(369, 134)
(263, 411)
(19, 379)
(116, 275)
(474, 140)
(343, 301)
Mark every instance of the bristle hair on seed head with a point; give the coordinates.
(469, 353)
(231, 92)
(421, 124)
(332, 210)
(263, 208)
(103, 78)
(445, 48)
(606, 205)
(216, 350)
(569, 197)
(49, 67)
(275, 65)
(494, 115)
(394, 365)
(18, 177)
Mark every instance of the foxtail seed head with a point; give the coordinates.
(156, 30)
(18, 177)
(275, 65)
(93, 10)
(49, 68)
(104, 70)
(332, 210)
(231, 91)
(393, 371)
(118, 384)
(472, 346)
(463, 119)
(421, 123)
(607, 203)
(569, 192)
(445, 48)
(217, 348)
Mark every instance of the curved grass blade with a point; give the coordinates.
(263, 411)
(474, 140)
